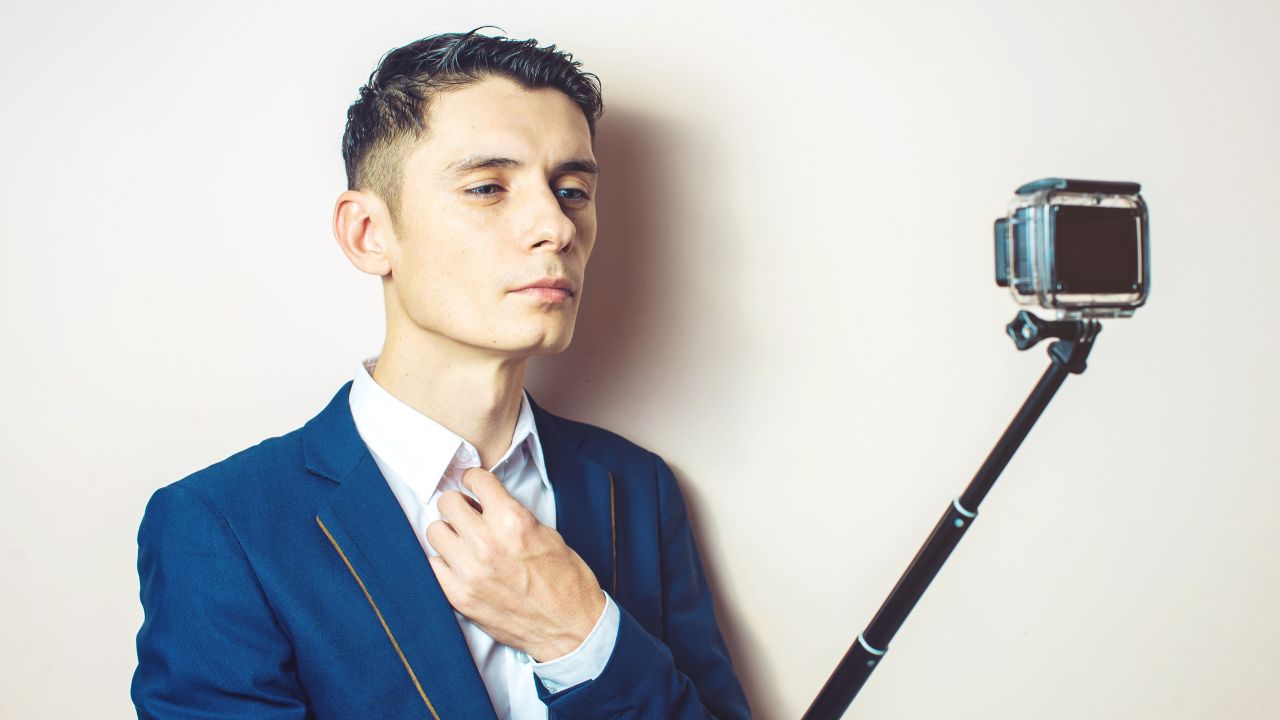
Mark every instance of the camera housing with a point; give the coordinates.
(1077, 247)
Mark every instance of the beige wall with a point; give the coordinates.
(791, 301)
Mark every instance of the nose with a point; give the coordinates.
(549, 227)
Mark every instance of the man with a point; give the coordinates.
(434, 544)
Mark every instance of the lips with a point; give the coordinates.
(548, 289)
(546, 294)
(553, 283)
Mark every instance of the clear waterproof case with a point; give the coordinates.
(1079, 247)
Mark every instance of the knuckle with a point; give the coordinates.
(440, 531)
(526, 523)
(520, 523)
(486, 549)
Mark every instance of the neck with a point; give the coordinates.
(474, 395)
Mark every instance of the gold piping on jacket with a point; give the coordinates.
(613, 541)
(381, 619)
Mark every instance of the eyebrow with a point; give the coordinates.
(480, 162)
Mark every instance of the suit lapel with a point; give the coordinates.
(366, 526)
(585, 497)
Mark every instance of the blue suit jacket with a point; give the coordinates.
(286, 582)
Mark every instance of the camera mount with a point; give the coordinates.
(1067, 357)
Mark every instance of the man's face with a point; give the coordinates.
(499, 195)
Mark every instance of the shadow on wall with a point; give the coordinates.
(623, 324)
(743, 647)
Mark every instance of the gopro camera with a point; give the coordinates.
(1077, 247)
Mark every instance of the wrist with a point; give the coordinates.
(574, 632)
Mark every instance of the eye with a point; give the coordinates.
(573, 194)
(490, 189)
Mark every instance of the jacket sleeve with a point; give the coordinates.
(685, 675)
(209, 646)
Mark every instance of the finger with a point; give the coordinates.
(450, 584)
(439, 564)
(488, 489)
(458, 510)
(443, 538)
(444, 573)
(475, 504)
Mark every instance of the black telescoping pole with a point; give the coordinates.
(1067, 356)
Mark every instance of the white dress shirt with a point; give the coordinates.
(422, 459)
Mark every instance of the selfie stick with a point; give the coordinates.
(1067, 356)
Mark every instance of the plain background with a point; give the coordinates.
(791, 301)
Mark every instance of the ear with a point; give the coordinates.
(362, 227)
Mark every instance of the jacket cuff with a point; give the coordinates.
(587, 660)
(639, 665)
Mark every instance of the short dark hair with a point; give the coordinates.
(389, 117)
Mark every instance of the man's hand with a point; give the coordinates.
(510, 574)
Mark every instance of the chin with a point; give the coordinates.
(550, 347)
(551, 342)
(539, 341)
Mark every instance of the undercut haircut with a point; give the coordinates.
(390, 116)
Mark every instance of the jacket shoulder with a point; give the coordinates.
(257, 488)
(609, 448)
(251, 467)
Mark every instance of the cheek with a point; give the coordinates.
(449, 281)
(440, 253)
(586, 232)
(459, 284)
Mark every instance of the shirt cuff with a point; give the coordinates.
(587, 660)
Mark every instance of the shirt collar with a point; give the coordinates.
(420, 450)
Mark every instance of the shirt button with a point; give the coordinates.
(464, 454)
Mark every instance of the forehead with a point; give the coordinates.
(496, 116)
